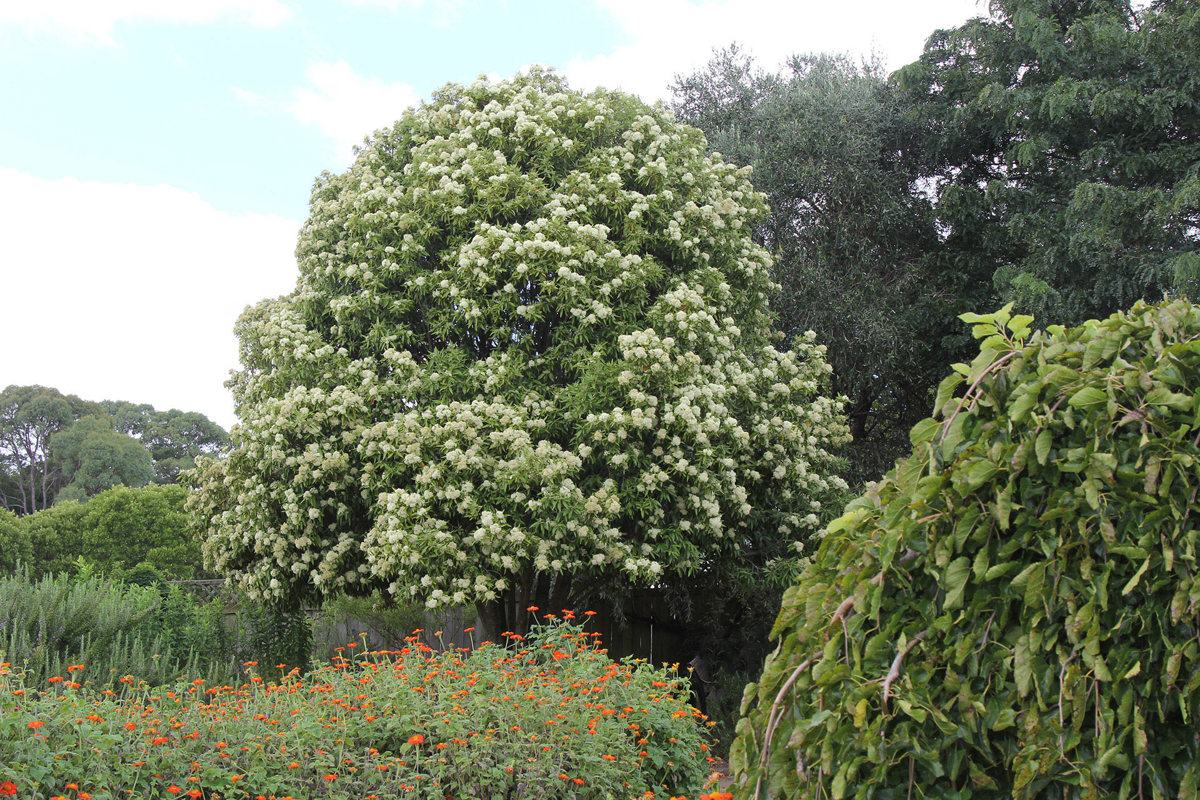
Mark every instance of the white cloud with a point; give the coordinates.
(127, 292)
(677, 37)
(342, 104)
(93, 20)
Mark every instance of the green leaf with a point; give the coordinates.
(1087, 396)
(1137, 577)
(1041, 446)
(1000, 570)
(917, 713)
(1023, 666)
(923, 431)
(979, 473)
(1019, 409)
(954, 580)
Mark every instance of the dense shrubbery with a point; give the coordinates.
(545, 718)
(49, 624)
(156, 632)
(115, 531)
(1012, 611)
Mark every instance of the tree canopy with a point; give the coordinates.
(529, 354)
(833, 148)
(174, 438)
(95, 457)
(29, 417)
(1063, 151)
(59, 447)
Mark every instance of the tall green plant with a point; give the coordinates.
(1012, 612)
(112, 629)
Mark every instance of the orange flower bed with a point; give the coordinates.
(552, 711)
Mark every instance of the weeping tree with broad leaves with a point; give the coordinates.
(528, 358)
(1012, 611)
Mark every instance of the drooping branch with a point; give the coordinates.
(894, 672)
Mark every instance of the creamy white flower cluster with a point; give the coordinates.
(530, 336)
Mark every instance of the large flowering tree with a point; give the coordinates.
(529, 355)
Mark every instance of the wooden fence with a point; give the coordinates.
(643, 628)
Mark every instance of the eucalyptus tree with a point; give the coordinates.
(30, 477)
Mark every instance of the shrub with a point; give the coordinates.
(15, 545)
(1012, 611)
(114, 628)
(550, 717)
(118, 528)
(56, 537)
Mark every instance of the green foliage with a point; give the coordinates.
(95, 457)
(528, 357)
(833, 148)
(126, 526)
(281, 640)
(1012, 612)
(551, 717)
(48, 439)
(56, 537)
(29, 417)
(112, 628)
(174, 438)
(1061, 142)
(15, 545)
(118, 528)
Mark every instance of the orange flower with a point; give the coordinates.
(330, 777)
(71, 786)
(84, 796)
(8, 788)
(55, 679)
(173, 789)
(418, 738)
(195, 794)
(37, 723)
(74, 667)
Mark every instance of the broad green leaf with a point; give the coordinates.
(1041, 446)
(954, 580)
(923, 431)
(1087, 396)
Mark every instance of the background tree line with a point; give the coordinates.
(1047, 154)
(56, 447)
(95, 484)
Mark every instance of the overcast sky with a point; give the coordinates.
(156, 157)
